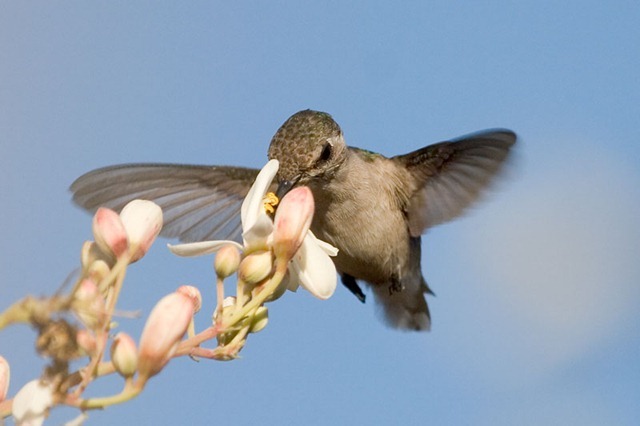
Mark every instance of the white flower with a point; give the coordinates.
(31, 404)
(310, 267)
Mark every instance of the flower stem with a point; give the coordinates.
(117, 275)
(130, 391)
(281, 269)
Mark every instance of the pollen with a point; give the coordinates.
(270, 202)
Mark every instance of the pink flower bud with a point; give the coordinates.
(124, 355)
(194, 294)
(5, 376)
(227, 261)
(143, 221)
(109, 232)
(162, 333)
(89, 304)
(292, 221)
(86, 341)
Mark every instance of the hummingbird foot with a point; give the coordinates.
(350, 283)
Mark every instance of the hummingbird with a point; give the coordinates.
(373, 208)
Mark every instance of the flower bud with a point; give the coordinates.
(227, 307)
(143, 221)
(92, 253)
(162, 333)
(109, 232)
(255, 267)
(192, 293)
(86, 341)
(98, 270)
(89, 304)
(124, 355)
(227, 261)
(259, 320)
(292, 221)
(5, 376)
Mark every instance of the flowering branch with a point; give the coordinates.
(78, 328)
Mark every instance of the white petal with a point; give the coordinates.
(325, 246)
(31, 403)
(258, 234)
(252, 204)
(200, 248)
(315, 270)
(292, 280)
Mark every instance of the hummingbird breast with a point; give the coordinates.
(360, 211)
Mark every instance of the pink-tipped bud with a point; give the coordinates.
(292, 221)
(255, 267)
(124, 355)
(162, 333)
(143, 221)
(109, 232)
(89, 304)
(227, 261)
(86, 341)
(97, 272)
(5, 377)
(92, 253)
(194, 294)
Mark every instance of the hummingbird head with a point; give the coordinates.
(309, 147)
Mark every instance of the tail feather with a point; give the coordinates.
(403, 301)
(404, 305)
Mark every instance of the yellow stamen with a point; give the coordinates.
(270, 202)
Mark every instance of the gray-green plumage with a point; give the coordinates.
(373, 208)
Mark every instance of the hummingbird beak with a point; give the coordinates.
(283, 187)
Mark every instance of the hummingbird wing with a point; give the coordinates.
(451, 175)
(198, 202)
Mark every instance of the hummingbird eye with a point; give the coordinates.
(326, 152)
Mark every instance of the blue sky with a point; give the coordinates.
(535, 321)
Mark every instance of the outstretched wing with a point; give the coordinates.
(198, 202)
(451, 175)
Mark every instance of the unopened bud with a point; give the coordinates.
(98, 270)
(89, 304)
(194, 294)
(226, 261)
(92, 253)
(143, 221)
(259, 320)
(86, 341)
(292, 221)
(5, 377)
(162, 333)
(124, 355)
(109, 232)
(255, 267)
(228, 307)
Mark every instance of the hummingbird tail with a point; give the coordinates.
(404, 304)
